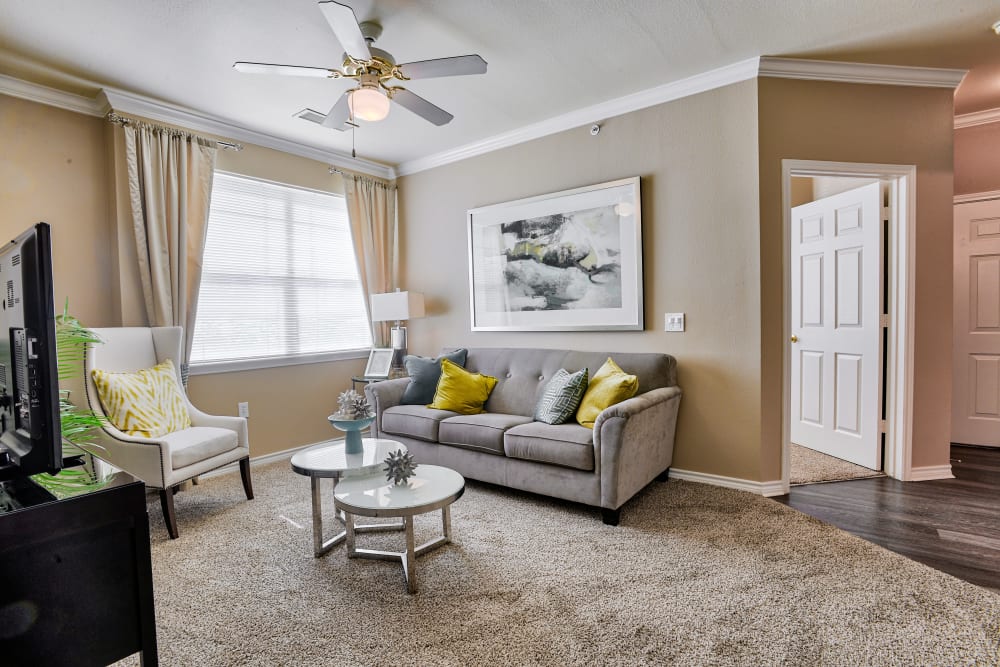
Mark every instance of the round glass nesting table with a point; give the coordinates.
(430, 488)
(331, 461)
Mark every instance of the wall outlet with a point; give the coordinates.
(244, 409)
(673, 322)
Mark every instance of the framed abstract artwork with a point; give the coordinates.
(566, 261)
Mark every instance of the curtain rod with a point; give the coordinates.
(125, 120)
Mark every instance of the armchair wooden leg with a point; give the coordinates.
(167, 502)
(610, 517)
(245, 474)
(663, 476)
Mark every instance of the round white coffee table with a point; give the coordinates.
(430, 488)
(333, 462)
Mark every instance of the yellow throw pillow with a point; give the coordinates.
(460, 391)
(609, 385)
(147, 403)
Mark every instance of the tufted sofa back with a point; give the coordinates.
(522, 373)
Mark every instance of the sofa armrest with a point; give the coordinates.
(634, 442)
(384, 395)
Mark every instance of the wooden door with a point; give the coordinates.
(836, 346)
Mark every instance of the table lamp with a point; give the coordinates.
(397, 306)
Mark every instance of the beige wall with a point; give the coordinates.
(53, 169)
(55, 166)
(977, 159)
(697, 161)
(864, 123)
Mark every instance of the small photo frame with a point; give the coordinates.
(379, 362)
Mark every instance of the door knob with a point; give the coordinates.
(795, 339)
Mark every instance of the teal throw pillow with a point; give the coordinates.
(561, 396)
(424, 373)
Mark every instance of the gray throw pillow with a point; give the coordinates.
(424, 373)
(561, 396)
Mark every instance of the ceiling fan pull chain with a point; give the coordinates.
(354, 153)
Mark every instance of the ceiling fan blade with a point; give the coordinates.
(421, 107)
(457, 66)
(345, 26)
(287, 70)
(339, 113)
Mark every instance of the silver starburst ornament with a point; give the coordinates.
(399, 466)
(353, 405)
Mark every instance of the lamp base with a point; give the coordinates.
(397, 339)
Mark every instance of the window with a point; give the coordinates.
(279, 278)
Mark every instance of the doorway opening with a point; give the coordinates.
(848, 320)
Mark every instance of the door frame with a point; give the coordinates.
(900, 290)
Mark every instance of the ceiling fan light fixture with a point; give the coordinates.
(368, 104)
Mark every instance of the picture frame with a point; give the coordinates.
(379, 362)
(565, 261)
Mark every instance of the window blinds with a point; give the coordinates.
(279, 276)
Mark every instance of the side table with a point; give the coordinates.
(333, 462)
(430, 488)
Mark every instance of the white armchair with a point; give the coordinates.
(167, 461)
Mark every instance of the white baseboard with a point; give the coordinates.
(927, 473)
(773, 488)
(265, 458)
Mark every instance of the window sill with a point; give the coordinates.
(236, 365)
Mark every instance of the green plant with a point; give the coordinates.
(72, 339)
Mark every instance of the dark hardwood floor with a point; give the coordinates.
(952, 525)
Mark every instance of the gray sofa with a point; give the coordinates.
(631, 442)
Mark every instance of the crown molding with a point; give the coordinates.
(977, 196)
(692, 85)
(977, 118)
(765, 66)
(164, 112)
(52, 97)
(196, 121)
(888, 75)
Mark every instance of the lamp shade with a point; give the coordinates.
(368, 104)
(397, 306)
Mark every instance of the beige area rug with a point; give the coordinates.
(694, 575)
(809, 467)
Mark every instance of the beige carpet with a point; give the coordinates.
(809, 467)
(695, 575)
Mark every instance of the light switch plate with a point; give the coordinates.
(673, 322)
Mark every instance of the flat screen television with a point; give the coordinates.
(30, 432)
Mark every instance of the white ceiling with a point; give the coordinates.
(546, 57)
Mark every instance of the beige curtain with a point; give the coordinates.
(170, 185)
(371, 207)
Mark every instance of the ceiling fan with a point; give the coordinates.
(373, 70)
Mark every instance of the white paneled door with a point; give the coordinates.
(836, 342)
(976, 361)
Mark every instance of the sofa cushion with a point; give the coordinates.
(414, 421)
(569, 445)
(610, 385)
(198, 443)
(482, 432)
(424, 373)
(461, 391)
(561, 397)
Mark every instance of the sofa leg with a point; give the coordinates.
(167, 503)
(245, 475)
(663, 476)
(610, 517)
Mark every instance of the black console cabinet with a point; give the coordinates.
(76, 584)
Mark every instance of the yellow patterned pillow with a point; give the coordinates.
(460, 391)
(147, 403)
